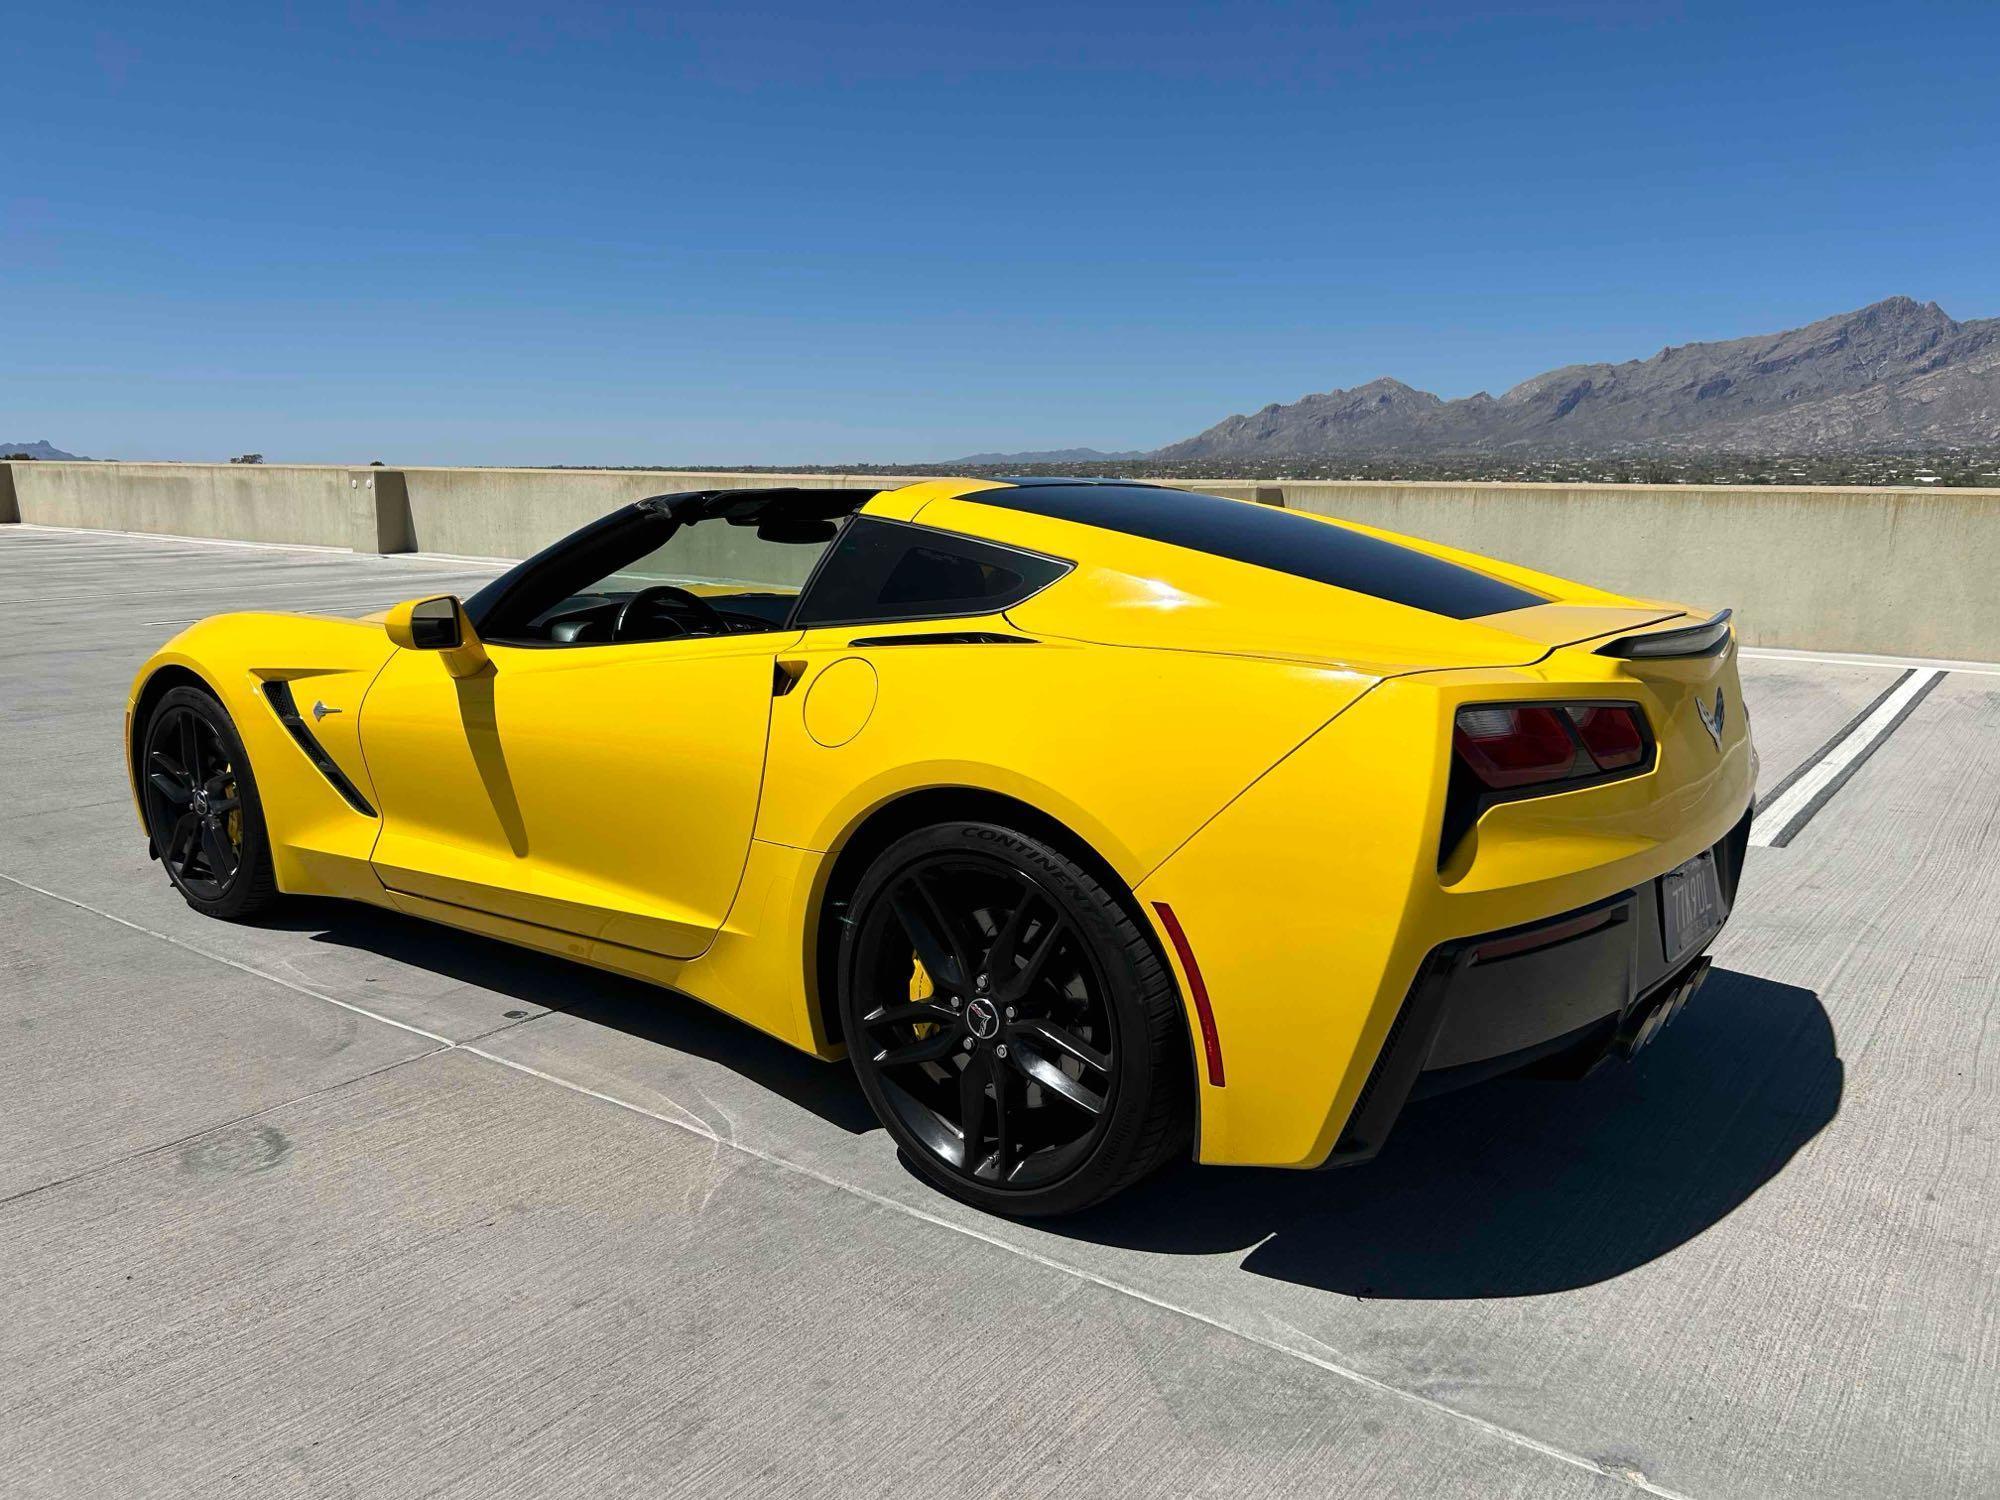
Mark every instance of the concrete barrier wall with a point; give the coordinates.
(1888, 571)
(317, 506)
(1896, 572)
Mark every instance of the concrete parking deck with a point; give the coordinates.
(345, 1204)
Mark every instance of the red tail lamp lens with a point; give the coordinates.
(1528, 744)
(1611, 735)
(1510, 747)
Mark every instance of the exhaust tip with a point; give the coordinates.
(1640, 1029)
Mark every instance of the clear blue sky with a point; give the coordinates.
(778, 232)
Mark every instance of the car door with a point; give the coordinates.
(608, 793)
(586, 784)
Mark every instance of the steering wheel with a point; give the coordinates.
(669, 602)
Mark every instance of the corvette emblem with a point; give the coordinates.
(320, 710)
(1712, 722)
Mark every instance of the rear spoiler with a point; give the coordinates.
(1706, 639)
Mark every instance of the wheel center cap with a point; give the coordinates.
(983, 1018)
(201, 802)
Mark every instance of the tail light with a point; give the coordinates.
(1510, 747)
(1507, 746)
(1511, 750)
(1614, 736)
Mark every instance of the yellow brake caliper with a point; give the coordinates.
(921, 989)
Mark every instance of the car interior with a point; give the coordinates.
(659, 612)
(638, 576)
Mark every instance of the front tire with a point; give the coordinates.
(202, 807)
(1012, 1023)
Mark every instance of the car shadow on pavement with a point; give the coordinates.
(1517, 1187)
(645, 1011)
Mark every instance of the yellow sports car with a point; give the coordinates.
(1092, 821)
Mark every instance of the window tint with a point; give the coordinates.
(886, 570)
(1272, 538)
(638, 575)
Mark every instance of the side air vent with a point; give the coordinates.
(279, 695)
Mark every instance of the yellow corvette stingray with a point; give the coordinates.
(1093, 821)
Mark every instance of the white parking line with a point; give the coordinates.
(209, 953)
(1780, 820)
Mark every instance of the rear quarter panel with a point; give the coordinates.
(1131, 748)
(1311, 901)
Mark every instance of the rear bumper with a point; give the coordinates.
(1558, 995)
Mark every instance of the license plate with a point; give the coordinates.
(1690, 906)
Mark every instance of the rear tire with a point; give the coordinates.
(1012, 1022)
(202, 809)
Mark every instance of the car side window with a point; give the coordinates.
(892, 570)
(639, 577)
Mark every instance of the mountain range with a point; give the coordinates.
(1899, 376)
(1895, 376)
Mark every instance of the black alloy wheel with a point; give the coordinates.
(1011, 1023)
(201, 807)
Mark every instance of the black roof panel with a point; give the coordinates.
(1268, 537)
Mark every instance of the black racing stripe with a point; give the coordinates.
(1266, 536)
